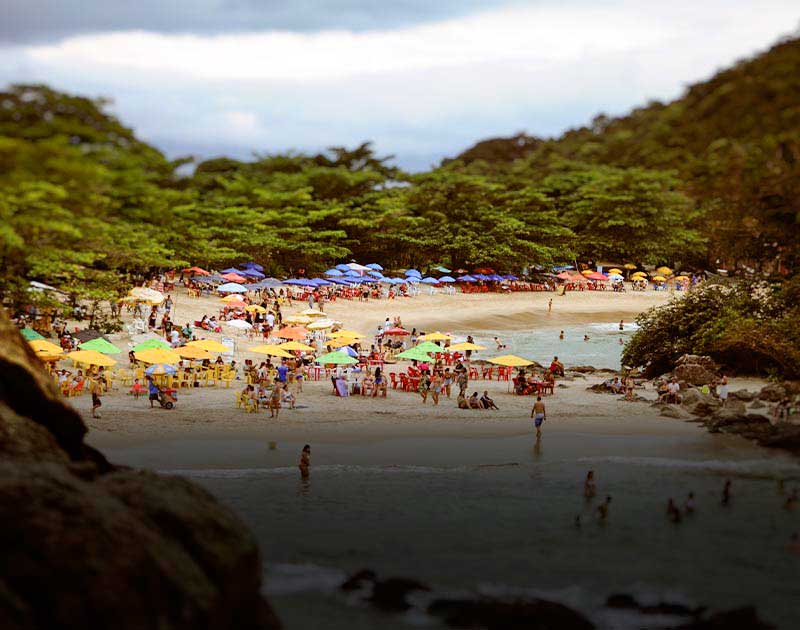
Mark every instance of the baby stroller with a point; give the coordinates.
(167, 397)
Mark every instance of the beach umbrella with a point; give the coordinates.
(160, 369)
(664, 271)
(484, 270)
(239, 324)
(510, 277)
(349, 351)
(639, 275)
(334, 272)
(394, 330)
(375, 274)
(435, 336)
(510, 360)
(231, 298)
(352, 273)
(615, 270)
(447, 279)
(312, 312)
(356, 267)
(428, 346)
(297, 318)
(296, 333)
(251, 273)
(681, 278)
(45, 347)
(209, 344)
(321, 324)
(30, 334)
(466, 278)
(466, 345)
(413, 354)
(658, 279)
(45, 356)
(375, 267)
(412, 272)
(231, 287)
(233, 277)
(296, 345)
(596, 275)
(429, 280)
(629, 266)
(441, 269)
(299, 282)
(157, 355)
(235, 304)
(271, 350)
(352, 334)
(192, 352)
(255, 308)
(143, 294)
(319, 282)
(91, 357)
(343, 267)
(338, 343)
(198, 271)
(230, 270)
(151, 344)
(101, 345)
(615, 277)
(336, 358)
(253, 265)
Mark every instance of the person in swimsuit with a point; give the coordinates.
(436, 387)
(424, 386)
(589, 487)
(275, 399)
(447, 381)
(305, 462)
(550, 305)
(602, 509)
(500, 344)
(539, 415)
(97, 389)
(561, 336)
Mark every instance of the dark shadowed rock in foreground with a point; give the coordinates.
(86, 544)
(537, 614)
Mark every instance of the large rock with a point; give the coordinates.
(86, 544)
(772, 392)
(744, 395)
(582, 369)
(699, 404)
(694, 374)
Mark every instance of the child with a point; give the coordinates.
(137, 388)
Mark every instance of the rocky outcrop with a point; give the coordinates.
(699, 404)
(86, 544)
(772, 392)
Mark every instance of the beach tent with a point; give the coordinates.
(295, 346)
(208, 344)
(239, 324)
(233, 277)
(435, 336)
(335, 358)
(412, 272)
(160, 369)
(429, 280)
(231, 287)
(333, 272)
(157, 355)
(510, 360)
(271, 350)
(292, 332)
(30, 334)
(375, 267)
(193, 353)
(466, 345)
(101, 345)
(151, 344)
(91, 357)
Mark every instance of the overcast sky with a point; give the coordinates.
(423, 79)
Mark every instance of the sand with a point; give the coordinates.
(209, 413)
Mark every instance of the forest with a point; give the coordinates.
(711, 179)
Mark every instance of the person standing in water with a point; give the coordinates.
(726, 493)
(673, 513)
(589, 487)
(602, 509)
(539, 415)
(305, 462)
(561, 336)
(621, 325)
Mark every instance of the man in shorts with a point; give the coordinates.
(97, 389)
(153, 389)
(539, 415)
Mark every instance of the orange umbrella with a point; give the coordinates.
(197, 271)
(293, 332)
(234, 277)
(235, 304)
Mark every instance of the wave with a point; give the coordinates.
(242, 473)
(613, 326)
(288, 579)
(751, 467)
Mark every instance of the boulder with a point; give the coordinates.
(494, 614)
(582, 369)
(694, 374)
(743, 395)
(391, 594)
(671, 411)
(772, 392)
(785, 436)
(734, 406)
(86, 544)
(699, 404)
(757, 404)
(738, 619)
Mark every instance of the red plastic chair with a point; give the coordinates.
(393, 379)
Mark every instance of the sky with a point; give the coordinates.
(422, 79)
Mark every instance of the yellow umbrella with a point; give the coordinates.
(630, 266)
(639, 274)
(659, 279)
(193, 352)
(312, 312)
(586, 272)
(271, 350)
(255, 308)
(615, 270)
(321, 324)
(338, 343)
(44, 356)
(297, 319)
(208, 344)
(92, 357)
(295, 345)
(681, 278)
(435, 336)
(664, 271)
(157, 355)
(460, 347)
(510, 360)
(44, 346)
(346, 334)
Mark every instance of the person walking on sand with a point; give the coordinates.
(424, 386)
(550, 306)
(275, 399)
(305, 462)
(96, 390)
(539, 415)
(447, 381)
(436, 387)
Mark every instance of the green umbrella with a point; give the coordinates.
(428, 346)
(413, 354)
(152, 344)
(101, 345)
(30, 334)
(338, 358)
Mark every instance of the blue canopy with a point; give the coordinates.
(252, 265)
(429, 280)
(342, 281)
(446, 279)
(300, 282)
(413, 272)
(320, 282)
(479, 276)
(375, 274)
(495, 277)
(351, 273)
(374, 266)
(266, 283)
(333, 272)
(231, 287)
(412, 279)
(510, 276)
(162, 368)
(343, 267)
(467, 279)
(251, 273)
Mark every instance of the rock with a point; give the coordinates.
(599, 388)
(772, 392)
(734, 406)
(358, 580)
(622, 600)
(391, 594)
(756, 418)
(693, 374)
(583, 369)
(494, 614)
(743, 394)
(696, 359)
(738, 619)
(757, 404)
(86, 544)
(669, 411)
(785, 436)
(699, 404)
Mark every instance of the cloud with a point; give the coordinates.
(422, 92)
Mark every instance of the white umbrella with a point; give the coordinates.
(143, 294)
(239, 323)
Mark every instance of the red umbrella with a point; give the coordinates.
(396, 331)
(596, 275)
(571, 276)
(197, 271)
(484, 270)
(234, 277)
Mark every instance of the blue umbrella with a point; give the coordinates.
(252, 273)
(414, 279)
(231, 287)
(351, 273)
(446, 279)
(252, 265)
(429, 280)
(230, 270)
(495, 277)
(342, 281)
(333, 272)
(510, 276)
(413, 272)
(300, 282)
(320, 282)
(442, 269)
(374, 266)
(467, 279)
(349, 351)
(160, 368)
(375, 274)
(343, 267)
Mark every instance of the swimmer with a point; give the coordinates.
(689, 505)
(621, 342)
(589, 487)
(792, 501)
(726, 493)
(621, 325)
(586, 337)
(602, 509)
(673, 513)
(500, 344)
(305, 462)
(539, 414)
(561, 336)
